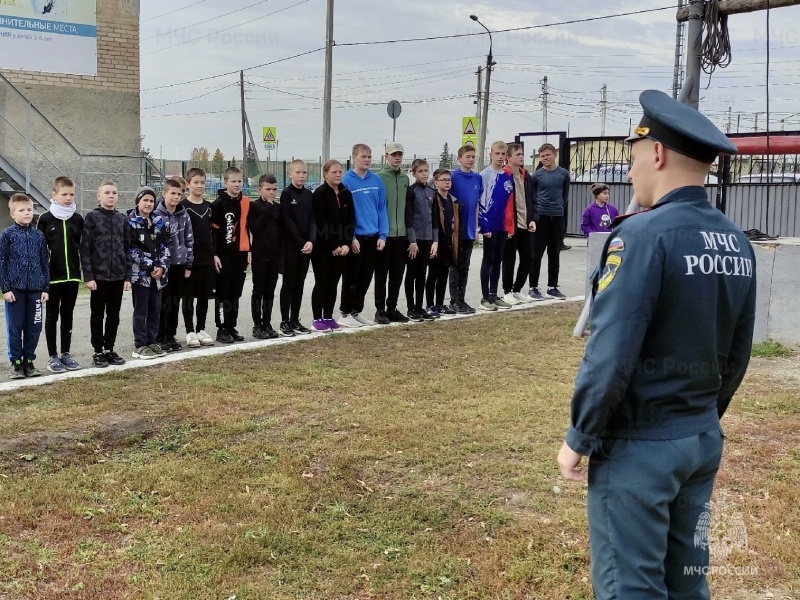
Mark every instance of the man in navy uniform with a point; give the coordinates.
(672, 328)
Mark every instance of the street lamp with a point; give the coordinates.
(784, 119)
(485, 116)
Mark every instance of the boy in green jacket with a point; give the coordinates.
(391, 262)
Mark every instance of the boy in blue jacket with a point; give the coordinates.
(25, 279)
(372, 228)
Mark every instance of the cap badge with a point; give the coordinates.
(642, 131)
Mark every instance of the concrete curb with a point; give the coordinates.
(10, 386)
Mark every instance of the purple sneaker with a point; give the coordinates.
(332, 324)
(320, 325)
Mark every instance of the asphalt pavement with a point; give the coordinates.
(572, 279)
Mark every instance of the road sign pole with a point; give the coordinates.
(394, 109)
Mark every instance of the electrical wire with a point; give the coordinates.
(173, 11)
(715, 47)
(209, 20)
(190, 99)
(219, 31)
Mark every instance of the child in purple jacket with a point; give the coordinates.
(599, 215)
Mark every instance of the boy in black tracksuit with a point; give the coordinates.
(422, 228)
(62, 226)
(264, 222)
(106, 261)
(298, 234)
(231, 247)
(199, 286)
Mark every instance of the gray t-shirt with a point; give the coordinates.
(551, 190)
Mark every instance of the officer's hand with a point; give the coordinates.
(569, 461)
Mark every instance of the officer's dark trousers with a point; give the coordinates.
(390, 264)
(548, 236)
(645, 500)
(522, 244)
(358, 272)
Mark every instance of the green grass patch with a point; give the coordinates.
(770, 349)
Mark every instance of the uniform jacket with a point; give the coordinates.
(422, 222)
(181, 238)
(395, 182)
(149, 249)
(672, 325)
(335, 216)
(264, 224)
(106, 246)
(63, 239)
(229, 224)
(24, 260)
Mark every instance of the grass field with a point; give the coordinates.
(414, 462)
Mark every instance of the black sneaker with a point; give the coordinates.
(459, 308)
(114, 359)
(432, 310)
(164, 345)
(17, 370)
(565, 247)
(445, 310)
(271, 333)
(298, 327)
(174, 344)
(556, 293)
(260, 333)
(381, 318)
(100, 360)
(427, 315)
(415, 315)
(237, 337)
(30, 369)
(395, 316)
(287, 330)
(468, 308)
(224, 336)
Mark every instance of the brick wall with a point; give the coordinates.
(117, 53)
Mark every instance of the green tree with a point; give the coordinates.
(218, 162)
(446, 159)
(251, 162)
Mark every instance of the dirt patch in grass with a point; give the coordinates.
(407, 462)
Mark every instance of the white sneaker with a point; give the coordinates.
(362, 319)
(349, 321)
(522, 298)
(192, 341)
(510, 299)
(205, 339)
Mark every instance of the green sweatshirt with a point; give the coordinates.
(396, 184)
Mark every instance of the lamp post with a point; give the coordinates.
(783, 121)
(485, 106)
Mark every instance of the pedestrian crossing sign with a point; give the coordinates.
(469, 126)
(469, 140)
(270, 135)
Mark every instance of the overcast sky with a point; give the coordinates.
(435, 81)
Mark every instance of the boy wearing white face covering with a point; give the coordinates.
(62, 227)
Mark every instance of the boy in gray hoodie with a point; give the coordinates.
(181, 248)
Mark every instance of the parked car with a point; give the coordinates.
(605, 173)
(769, 178)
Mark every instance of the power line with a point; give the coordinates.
(512, 29)
(173, 11)
(218, 31)
(266, 64)
(211, 19)
(190, 99)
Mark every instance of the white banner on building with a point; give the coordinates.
(52, 36)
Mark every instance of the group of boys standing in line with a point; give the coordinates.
(179, 249)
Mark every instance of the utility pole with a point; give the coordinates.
(755, 124)
(478, 93)
(728, 120)
(738, 121)
(545, 92)
(677, 73)
(244, 122)
(481, 150)
(603, 109)
(326, 97)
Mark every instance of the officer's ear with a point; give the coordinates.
(660, 156)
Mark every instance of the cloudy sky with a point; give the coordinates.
(185, 103)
